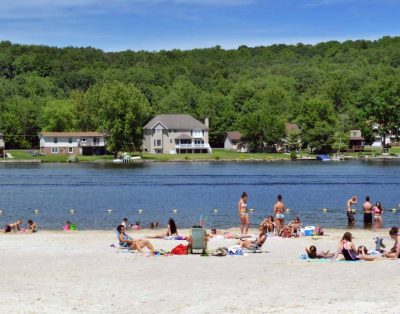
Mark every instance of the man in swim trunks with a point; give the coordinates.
(367, 208)
(350, 214)
(279, 209)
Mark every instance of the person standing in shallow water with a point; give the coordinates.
(367, 208)
(279, 209)
(350, 214)
(243, 214)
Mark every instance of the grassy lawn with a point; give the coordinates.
(26, 155)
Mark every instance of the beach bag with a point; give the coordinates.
(180, 249)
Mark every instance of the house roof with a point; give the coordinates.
(176, 121)
(72, 134)
(183, 137)
(234, 135)
(292, 128)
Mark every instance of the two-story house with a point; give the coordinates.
(176, 134)
(74, 143)
(2, 146)
(356, 141)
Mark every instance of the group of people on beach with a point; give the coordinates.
(17, 226)
(346, 249)
(371, 212)
(274, 224)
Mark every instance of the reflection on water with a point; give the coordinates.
(98, 196)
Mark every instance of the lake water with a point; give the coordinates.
(194, 189)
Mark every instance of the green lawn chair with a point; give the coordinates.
(199, 242)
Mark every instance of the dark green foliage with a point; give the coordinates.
(327, 89)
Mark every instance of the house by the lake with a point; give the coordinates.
(356, 141)
(176, 134)
(2, 146)
(74, 143)
(233, 142)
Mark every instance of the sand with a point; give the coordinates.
(78, 272)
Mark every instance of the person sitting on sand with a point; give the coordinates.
(395, 250)
(313, 253)
(13, 226)
(269, 224)
(347, 248)
(295, 226)
(134, 244)
(172, 230)
(32, 227)
(257, 244)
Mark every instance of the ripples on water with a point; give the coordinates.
(195, 189)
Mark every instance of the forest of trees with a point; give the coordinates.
(327, 89)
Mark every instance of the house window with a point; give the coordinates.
(158, 142)
(54, 150)
(354, 133)
(155, 143)
(158, 130)
(70, 150)
(197, 133)
(70, 140)
(55, 140)
(170, 141)
(94, 140)
(83, 140)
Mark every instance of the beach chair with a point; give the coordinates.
(199, 242)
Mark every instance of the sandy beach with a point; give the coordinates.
(78, 272)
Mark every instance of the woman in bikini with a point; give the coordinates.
(395, 250)
(134, 244)
(378, 211)
(243, 214)
(347, 248)
(279, 209)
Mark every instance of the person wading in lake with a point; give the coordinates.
(243, 214)
(279, 209)
(350, 213)
(367, 208)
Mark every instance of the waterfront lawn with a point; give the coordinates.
(27, 155)
(217, 154)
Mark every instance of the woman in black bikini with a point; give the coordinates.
(347, 248)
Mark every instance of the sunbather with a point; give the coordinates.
(347, 248)
(13, 226)
(313, 253)
(172, 230)
(395, 250)
(255, 244)
(134, 244)
(295, 226)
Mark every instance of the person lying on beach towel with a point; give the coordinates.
(218, 234)
(395, 250)
(133, 244)
(313, 253)
(347, 248)
(254, 245)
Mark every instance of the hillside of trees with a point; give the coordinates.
(327, 89)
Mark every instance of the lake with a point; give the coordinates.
(195, 190)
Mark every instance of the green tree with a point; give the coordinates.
(122, 112)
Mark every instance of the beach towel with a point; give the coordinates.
(235, 250)
(180, 249)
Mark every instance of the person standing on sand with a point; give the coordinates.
(367, 208)
(279, 209)
(243, 214)
(350, 214)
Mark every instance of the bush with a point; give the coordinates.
(293, 155)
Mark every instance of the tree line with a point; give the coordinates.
(326, 89)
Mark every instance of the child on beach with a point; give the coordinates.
(67, 226)
(395, 250)
(32, 227)
(313, 253)
(13, 226)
